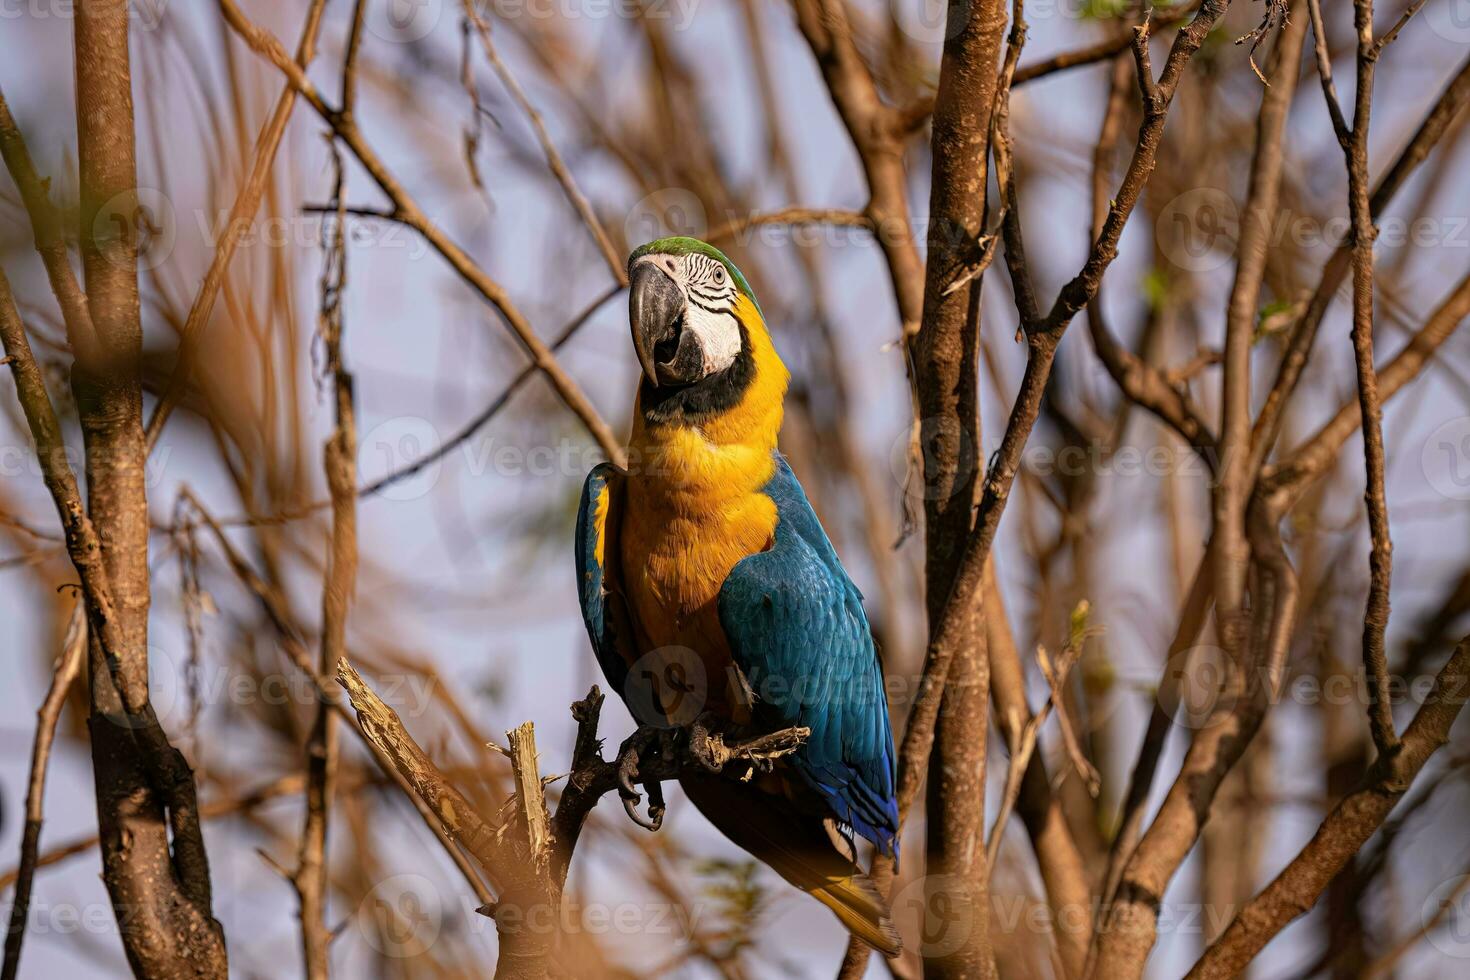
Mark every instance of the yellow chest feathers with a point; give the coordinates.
(694, 500)
(679, 549)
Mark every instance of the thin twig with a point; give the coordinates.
(1432, 128)
(1055, 678)
(1324, 74)
(296, 650)
(30, 530)
(1100, 51)
(68, 667)
(408, 211)
(791, 217)
(1317, 453)
(465, 433)
(1024, 744)
(1448, 905)
(338, 585)
(247, 202)
(1390, 35)
(49, 233)
(554, 159)
(349, 60)
(1364, 232)
(1346, 829)
(1138, 380)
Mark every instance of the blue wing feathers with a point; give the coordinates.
(796, 628)
(592, 577)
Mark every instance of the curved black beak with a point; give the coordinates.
(656, 313)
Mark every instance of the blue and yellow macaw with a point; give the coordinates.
(711, 592)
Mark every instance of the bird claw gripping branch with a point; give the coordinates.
(630, 757)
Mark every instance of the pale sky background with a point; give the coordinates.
(427, 355)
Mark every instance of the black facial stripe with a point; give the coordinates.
(704, 399)
(713, 309)
(711, 294)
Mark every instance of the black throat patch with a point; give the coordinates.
(703, 400)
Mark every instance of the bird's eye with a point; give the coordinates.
(719, 275)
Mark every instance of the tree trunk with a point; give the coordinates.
(145, 793)
(946, 366)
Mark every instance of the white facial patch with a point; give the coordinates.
(709, 306)
(719, 337)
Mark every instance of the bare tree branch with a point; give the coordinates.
(47, 228)
(1317, 453)
(338, 585)
(1435, 124)
(530, 851)
(1346, 829)
(68, 668)
(1123, 945)
(1063, 873)
(1364, 233)
(155, 865)
(406, 210)
(554, 161)
(247, 203)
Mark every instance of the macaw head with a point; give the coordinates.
(697, 330)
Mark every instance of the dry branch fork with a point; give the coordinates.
(525, 849)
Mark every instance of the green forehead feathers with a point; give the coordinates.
(679, 245)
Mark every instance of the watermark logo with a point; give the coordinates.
(665, 212)
(145, 15)
(931, 21)
(944, 916)
(1450, 19)
(937, 21)
(403, 21)
(678, 13)
(176, 684)
(939, 438)
(1196, 684)
(311, 231)
(1446, 917)
(667, 687)
(401, 445)
(1197, 230)
(143, 217)
(1125, 462)
(1446, 459)
(22, 460)
(165, 692)
(401, 917)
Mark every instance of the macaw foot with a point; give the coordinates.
(649, 742)
(701, 745)
(737, 750)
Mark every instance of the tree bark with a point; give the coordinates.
(946, 371)
(154, 864)
(1344, 831)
